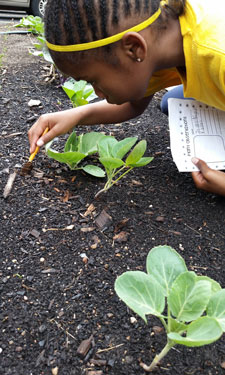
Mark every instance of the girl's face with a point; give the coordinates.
(118, 84)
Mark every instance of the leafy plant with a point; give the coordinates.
(76, 149)
(111, 152)
(190, 307)
(79, 92)
(35, 25)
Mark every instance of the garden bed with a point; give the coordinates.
(59, 260)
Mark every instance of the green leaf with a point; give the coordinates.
(216, 307)
(202, 331)
(111, 163)
(70, 158)
(94, 170)
(69, 91)
(78, 101)
(79, 85)
(105, 146)
(89, 142)
(215, 286)
(176, 326)
(87, 93)
(137, 153)
(188, 297)
(72, 143)
(142, 162)
(141, 293)
(122, 147)
(165, 264)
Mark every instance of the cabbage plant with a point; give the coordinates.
(190, 307)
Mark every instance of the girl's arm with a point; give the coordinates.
(91, 114)
(208, 179)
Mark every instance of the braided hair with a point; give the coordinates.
(80, 21)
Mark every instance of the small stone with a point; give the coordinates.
(133, 320)
(1, 350)
(19, 349)
(42, 260)
(55, 371)
(160, 219)
(129, 359)
(157, 330)
(223, 364)
(42, 328)
(34, 103)
(41, 343)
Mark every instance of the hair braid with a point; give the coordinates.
(88, 7)
(115, 18)
(104, 15)
(67, 21)
(137, 6)
(127, 7)
(80, 28)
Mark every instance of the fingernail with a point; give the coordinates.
(40, 143)
(195, 160)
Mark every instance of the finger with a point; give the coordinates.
(201, 165)
(198, 179)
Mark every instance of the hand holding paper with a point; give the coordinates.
(208, 179)
(196, 130)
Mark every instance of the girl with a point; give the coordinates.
(128, 50)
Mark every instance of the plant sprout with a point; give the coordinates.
(79, 92)
(190, 307)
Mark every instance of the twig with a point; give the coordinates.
(107, 349)
(10, 135)
(9, 184)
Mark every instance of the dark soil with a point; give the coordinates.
(52, 296)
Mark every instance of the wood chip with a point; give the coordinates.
(121, 237)
(90, 209)
(104, 220)
(35, 233)
(121, 224)
(9, 184)
(87, 229)
(160, 219)
(84, 347)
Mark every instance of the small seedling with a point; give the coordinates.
(34, 25)
(111, 152)
(190, 307)
(79, 92)
(76, 149)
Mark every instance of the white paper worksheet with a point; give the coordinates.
(196, 130)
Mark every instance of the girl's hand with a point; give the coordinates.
(208, 179)
(58, 123)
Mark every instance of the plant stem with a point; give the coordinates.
(158, 357)
(164, 324)
(122, 175)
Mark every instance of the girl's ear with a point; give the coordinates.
(134, 46)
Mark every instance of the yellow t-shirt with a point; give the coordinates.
(203, 31)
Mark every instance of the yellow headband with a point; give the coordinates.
(105, 41)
